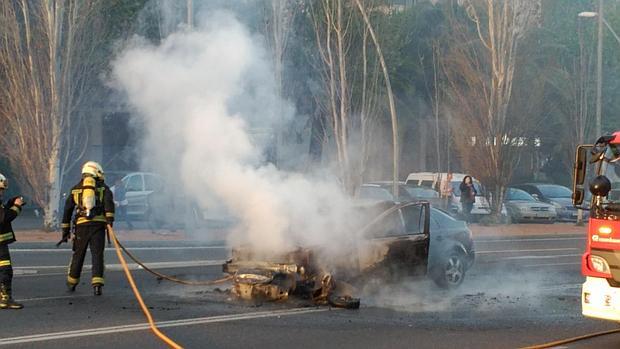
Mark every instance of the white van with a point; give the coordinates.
(433, 180)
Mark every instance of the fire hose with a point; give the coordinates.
(168, 277)
(572, 340)
(136, 292)
(118, 247)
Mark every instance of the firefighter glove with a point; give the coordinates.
(12, 203)
(66, 234)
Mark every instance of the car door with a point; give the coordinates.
(136, 200)
(397, 240)
(412, 249)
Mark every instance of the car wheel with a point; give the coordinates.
(451, 271)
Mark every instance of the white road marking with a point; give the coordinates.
(559, 287)
(542, 257)
(40, 275)
(114, 267)
(532, 250)
(52, 298)
(161, 248)
(550, 264)
(529, 239)
(163, 324)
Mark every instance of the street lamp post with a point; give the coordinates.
(599, 59)
(599, 70)
(599, 64)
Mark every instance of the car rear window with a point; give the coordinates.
(518, 194)
(554, 191)
(442, 219)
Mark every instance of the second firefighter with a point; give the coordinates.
(90, 207)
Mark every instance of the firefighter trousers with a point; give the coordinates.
(92, 235)
(6, 270)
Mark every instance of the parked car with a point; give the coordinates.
(139, 186)
(382, 191)
(395, 239)
(424, 193)
(433, 180)
(148, 197)
(556, 195)
(523, 207)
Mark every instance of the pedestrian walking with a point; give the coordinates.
(8, 213)
(445, 190)
(93, 203)
(468, 197)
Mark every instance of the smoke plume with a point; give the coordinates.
(200, 95)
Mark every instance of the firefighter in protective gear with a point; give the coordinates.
(91, 205)
(8, 213)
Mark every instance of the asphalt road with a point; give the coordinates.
(521, 291)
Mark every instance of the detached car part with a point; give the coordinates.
(295, 273)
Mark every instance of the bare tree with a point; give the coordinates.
(480, 66)
(280, 17)
(48, 57)
(392, 105)
(350, 74)
(333, 35)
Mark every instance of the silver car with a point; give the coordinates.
(523, 207)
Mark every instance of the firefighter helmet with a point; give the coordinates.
(92, 168)
(4, 183)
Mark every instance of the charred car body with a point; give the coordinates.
(402, 240)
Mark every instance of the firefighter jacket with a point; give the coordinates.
(101, 213)
(7, 214)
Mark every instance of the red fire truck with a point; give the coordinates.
(600, 264)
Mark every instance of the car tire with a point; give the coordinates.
(450, 272)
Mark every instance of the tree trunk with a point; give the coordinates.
(392, 105)
(50, 211)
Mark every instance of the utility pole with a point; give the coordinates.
(599, 70)
(190, 14)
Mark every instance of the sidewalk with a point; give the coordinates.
(533, 229)
(219, 235)
(210, 236)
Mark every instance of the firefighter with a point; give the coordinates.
(7, 214)
(93, 203)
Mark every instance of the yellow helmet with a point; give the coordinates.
(4, 183)
(92, 168)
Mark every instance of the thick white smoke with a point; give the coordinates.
(198, 94)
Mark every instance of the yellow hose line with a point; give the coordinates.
(571, 340)
(136, 292)
(171, 278)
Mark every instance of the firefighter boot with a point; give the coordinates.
(6, 301)
(71, 287)
(97, 289)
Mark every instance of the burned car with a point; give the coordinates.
(397, 241)
(400, 232)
